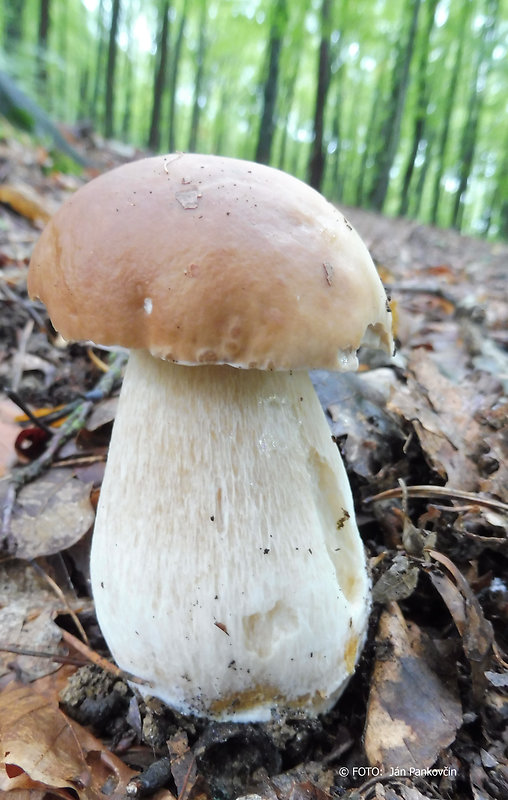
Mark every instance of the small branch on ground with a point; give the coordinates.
(94, 658)
(58, 658)
(439, 491)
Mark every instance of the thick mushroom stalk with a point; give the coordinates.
(227, 568)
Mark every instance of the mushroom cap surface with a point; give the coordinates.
(210, 260)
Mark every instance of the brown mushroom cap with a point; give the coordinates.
(205, 259)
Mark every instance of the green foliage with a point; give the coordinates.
(446, 146)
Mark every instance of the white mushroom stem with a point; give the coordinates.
(227, 568)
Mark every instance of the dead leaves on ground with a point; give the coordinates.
(458, 430)
(28, 607)
(413, 713)
(43, 750)
(51, 514)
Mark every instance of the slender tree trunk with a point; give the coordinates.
(448, 111)
(42, 44)
(390, 131)
(498, 201)
(287, 102)
(220, 141)
(13, 27)
(109, 112)
(84, 81)
(316, 166)
(476, 98)
(128, 82)
(421, 108)
(198, 82)
(94, 113)
(159, 81)
(173, 80)
(61, 104)
(417, 196)
(267, 124)
(503, 218)
(337, 179)
(369, 149)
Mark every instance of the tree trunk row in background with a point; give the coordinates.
(396, 105)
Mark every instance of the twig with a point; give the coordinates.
(56, 589)
(98, 660)
(80, 461)
(23, 338)
(152, 778)
(58, 658)
(439, 491)
(28, 305)
(98, 362)
(38, 421)
(20, 476)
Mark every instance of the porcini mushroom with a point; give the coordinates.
(227, 568)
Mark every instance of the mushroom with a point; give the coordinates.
(227, 568)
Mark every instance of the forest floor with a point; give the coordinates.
(426, 450)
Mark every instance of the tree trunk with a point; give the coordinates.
(336, 135)
(497, 205)
(128, 85)
(159, 80)
(94, 112)
(447, 112)
(220, 129)
(421, 108)
(417, 196)
(369, 149)
(198, 82)
(109, 112)
(476, 98)
(390, 131)
(287, 103)
(316, 165)
(60, 99)
(13, 25)
(173, 79)
(42, 44)
(267, 124)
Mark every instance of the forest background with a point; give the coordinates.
(395, 105)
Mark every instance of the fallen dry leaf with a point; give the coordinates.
(41, 747)
(183, 764)
(452, 426)
(412, 713)
(356, 405)
(38, 743)
(398, 582)
(51, 514)
(27, 610)
(475, 630)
